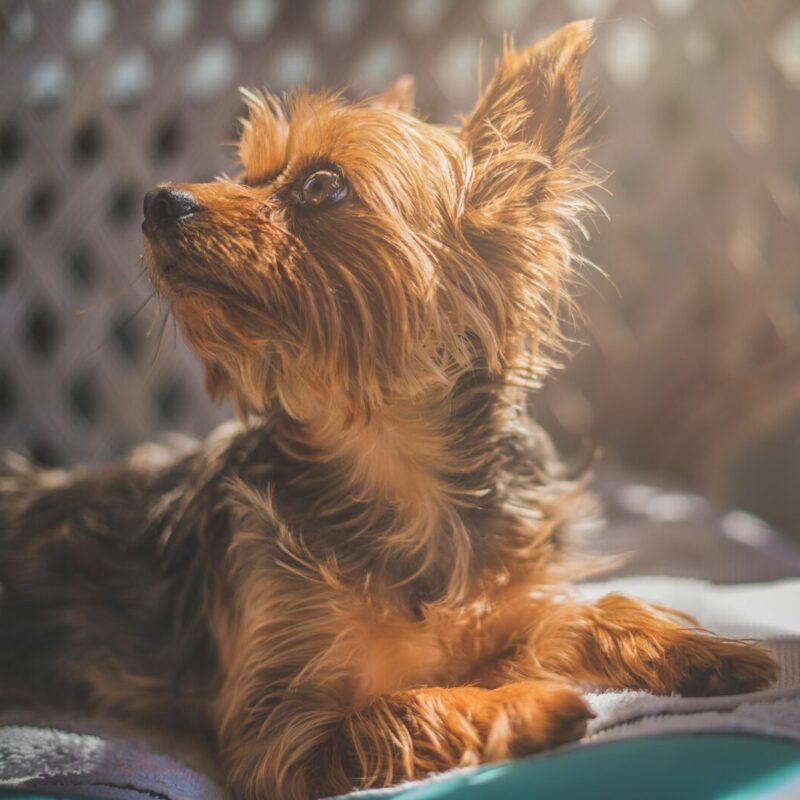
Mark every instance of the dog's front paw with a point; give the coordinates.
(637, 646)
(528, 717)
(468, 725)
(705, 665)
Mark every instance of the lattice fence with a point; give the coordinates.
(694, 356)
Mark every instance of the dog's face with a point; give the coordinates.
(363, 254)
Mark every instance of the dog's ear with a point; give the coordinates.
(218, 385)
(399, 96)
(527, 189)
(532, 96)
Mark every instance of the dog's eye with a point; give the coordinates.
(323, 187)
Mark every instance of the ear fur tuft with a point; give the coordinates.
(532, 96)
(399, 96)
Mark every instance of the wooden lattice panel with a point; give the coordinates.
(695, 340)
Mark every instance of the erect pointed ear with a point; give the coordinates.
(532, 95)
(399, 96)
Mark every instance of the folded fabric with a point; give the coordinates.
(627, 715)
(50, 753)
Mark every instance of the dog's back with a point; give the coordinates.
(99, 602)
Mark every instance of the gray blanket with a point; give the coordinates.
(46, 752)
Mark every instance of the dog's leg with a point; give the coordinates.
(311, 746)
(413, 733)
(622, 643)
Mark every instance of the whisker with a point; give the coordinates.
(138, 310)
(124, 324)
(109, 299)
(164, 322)
(156, 316)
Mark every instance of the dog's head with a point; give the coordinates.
(363, 254)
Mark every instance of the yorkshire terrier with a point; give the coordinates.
(366, 581)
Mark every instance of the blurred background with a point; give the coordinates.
(688, 360)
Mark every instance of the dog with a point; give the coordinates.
(367, 580)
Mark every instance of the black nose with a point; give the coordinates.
(168, 204)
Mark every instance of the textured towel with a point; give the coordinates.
(47, 752)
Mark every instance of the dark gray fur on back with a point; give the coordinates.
(108, 569)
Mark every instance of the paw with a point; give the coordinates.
(705, 666)
(528, 717)
(445, 727)
(645, 647)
